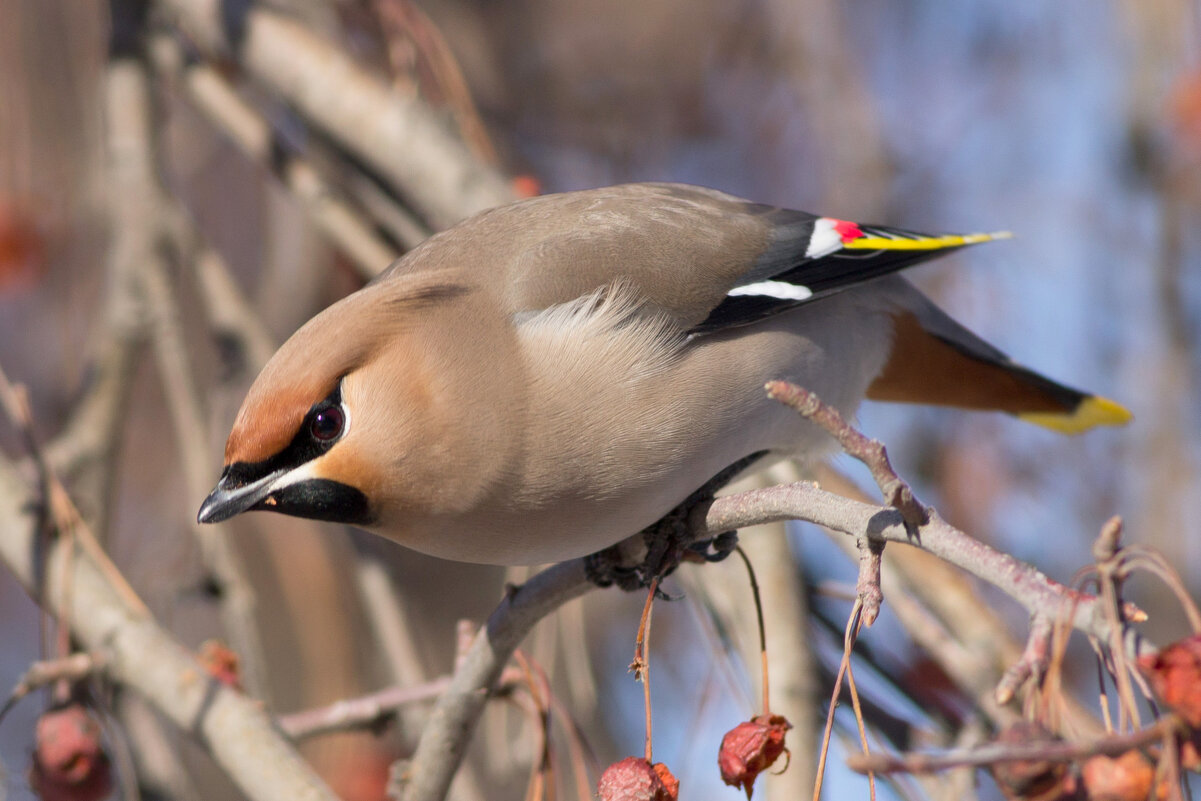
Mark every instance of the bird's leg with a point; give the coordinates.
(662, 545)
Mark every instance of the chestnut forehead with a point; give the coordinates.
(338, 341)
(270, 418)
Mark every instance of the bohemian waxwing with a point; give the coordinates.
(552, 376)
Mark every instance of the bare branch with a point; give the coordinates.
(230, 315)
(871, 452)
(945, 614)
(993, 753)
(233, 727)
(93, 431)
(71, 668)
(356, 713)
(398, 136)
(133, 146)
(444, 741)
(218, 101)
(156, 753)
(1034, 661)
(803, 501)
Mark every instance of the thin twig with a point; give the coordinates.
(365, 712)
(641, 665)
(1140, 557)
(850, 636)
(1033, 661)
(867, 585)
(750, 571)
(73, 668)
(55, 498)
(542, 776)
(582, 757)
(1052, 751)
(1106, 551)
(871, 452)
(861, 726)
(843, 665)
(438, 73)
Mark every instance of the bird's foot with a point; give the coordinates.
(608, 567)
(659, 549)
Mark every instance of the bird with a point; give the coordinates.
(552, 376)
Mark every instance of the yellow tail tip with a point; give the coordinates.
(1093, 411)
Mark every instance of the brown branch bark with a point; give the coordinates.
(966, 636)
(235, 729)
(141, 216)
(214, 97)
(444, 741)
(1023, 583)
(994, 753)
(398, 136)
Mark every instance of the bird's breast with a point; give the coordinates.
(617, 436)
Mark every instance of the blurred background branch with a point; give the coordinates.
(242, 171)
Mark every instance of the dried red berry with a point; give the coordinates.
(526, 186)
(635, 779)
(750, 748)
(69, 761)
(670, 783)
(1031, 779)
(1175, 676)
(1125, 778)
(220, 662)
(23, 247)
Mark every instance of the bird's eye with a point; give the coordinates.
(327, 424)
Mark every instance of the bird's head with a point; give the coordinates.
(350, 419)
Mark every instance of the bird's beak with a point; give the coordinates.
(228, 499)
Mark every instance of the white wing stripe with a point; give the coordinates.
(773, 289)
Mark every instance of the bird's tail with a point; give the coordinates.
(937, 361)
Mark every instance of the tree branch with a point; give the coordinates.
(369, 711)
(215, 98)
(453, 719)
(400, 137)
(1025, 584)
(234, 728)
(997, 752)
(142, 217)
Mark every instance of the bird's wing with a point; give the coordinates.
(810, 257)
(707, 260)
